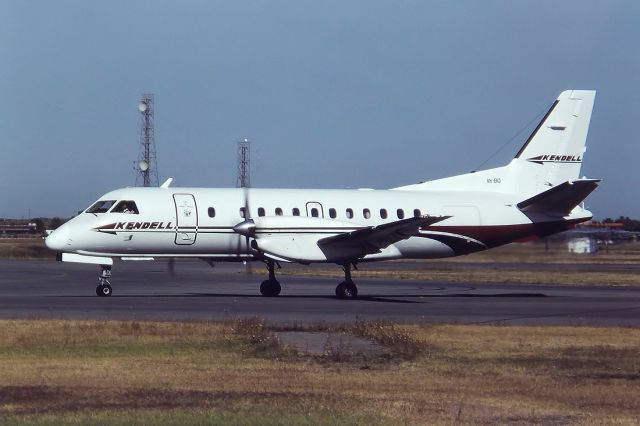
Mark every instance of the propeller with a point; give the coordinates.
(247, 227)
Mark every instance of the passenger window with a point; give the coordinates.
(314, 212)
(243, 212)
(296, 211)
(260, 211)
(349, 214)
(278, 211)
(128, 207)
(332, 213)
(366, 213)
(101, 206)
(400, 214)
(211, 211)
(416, 213)
(383, 213)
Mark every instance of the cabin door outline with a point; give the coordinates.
(186, 219)
(315, 205)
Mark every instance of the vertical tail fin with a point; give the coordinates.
(557, 145)
(551, 156)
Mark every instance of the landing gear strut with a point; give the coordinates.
(347, 289)
(270, 287)
(104, 288)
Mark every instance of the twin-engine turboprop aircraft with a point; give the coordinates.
(537, 194)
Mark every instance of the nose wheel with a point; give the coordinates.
(104, 288)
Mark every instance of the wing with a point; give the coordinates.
(373, 239)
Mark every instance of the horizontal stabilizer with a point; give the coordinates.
(372, 239)
(561, 199)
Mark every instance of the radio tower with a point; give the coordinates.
(244, 164)
(146, 169)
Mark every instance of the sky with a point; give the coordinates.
(332, 94)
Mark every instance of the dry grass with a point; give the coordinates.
(497, 275)
(24, 248)
(170, 373)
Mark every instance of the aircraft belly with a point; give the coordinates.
(424, 248)
(296, 247)
(218, 243)
(210, 243)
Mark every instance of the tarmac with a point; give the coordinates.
(42, 289)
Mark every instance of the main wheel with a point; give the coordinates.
(346, 290)
(270, 288)
(104, 290)
(352, 290)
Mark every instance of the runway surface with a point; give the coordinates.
(145, 290)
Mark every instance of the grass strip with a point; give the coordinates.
(86, 372)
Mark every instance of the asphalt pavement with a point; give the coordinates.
(196, 291)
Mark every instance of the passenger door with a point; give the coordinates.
(186, 219)
(314, 209)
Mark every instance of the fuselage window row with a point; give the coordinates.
(314, 212)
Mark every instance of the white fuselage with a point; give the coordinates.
(199, 222)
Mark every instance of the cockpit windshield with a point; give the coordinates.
(101, 206)
(126, 206)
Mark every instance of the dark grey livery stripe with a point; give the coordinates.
(536, 129)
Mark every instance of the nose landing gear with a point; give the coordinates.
(104, 288)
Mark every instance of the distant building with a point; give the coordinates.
(608, 225)
(17, 228)
(583, 245)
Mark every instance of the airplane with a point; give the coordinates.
(538, 193)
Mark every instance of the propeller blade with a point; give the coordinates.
(248, 219)
(245, 228)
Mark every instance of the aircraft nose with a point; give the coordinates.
(58, 239)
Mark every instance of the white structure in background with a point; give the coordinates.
(584, 245)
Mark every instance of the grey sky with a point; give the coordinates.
(331, 93)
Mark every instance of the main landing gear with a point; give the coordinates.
(270, 287)
(104, 288)
(347, 289)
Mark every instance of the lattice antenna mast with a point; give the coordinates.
(244, 164)
(146, 168)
